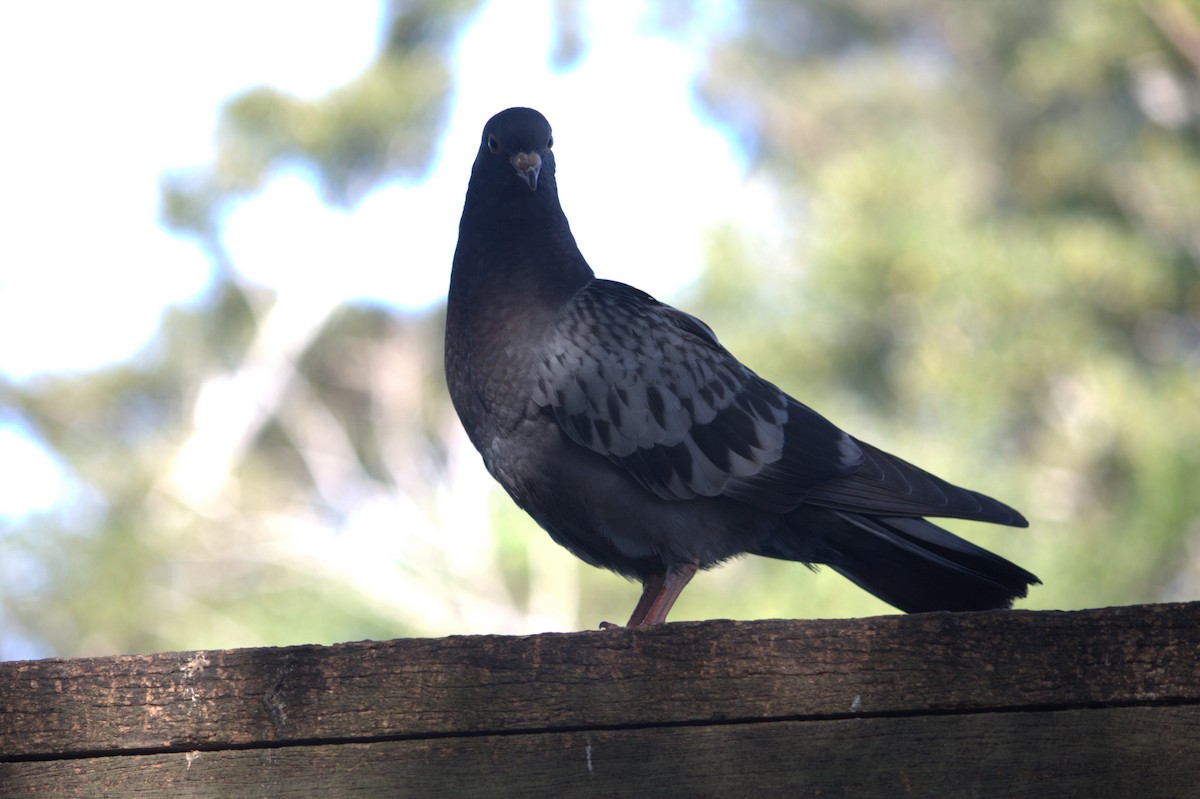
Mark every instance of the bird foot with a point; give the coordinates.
(608, 625)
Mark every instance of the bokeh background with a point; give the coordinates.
(969, 233)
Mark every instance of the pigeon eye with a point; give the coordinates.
(493, 144)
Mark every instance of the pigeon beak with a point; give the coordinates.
(527, 165)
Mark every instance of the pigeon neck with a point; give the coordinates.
(520, 248)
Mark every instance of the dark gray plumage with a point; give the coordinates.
(639, 443)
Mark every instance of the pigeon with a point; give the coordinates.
(638, 442)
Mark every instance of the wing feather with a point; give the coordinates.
(651, 389)
(889, 485)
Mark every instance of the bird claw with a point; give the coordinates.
(608, 625)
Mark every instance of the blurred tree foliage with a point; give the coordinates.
(254, 416)
(983, 254)
(988, 258)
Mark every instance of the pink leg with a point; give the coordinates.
(677, 578)
(652, 586)
(659, 592)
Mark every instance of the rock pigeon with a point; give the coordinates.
(625, 429)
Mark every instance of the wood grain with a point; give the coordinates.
(1115, 752)
(1095, 702)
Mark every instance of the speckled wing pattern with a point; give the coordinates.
(650, 388)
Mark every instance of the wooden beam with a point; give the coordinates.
(1117, 753)
(1090, 703)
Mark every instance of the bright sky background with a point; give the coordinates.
(102, 99)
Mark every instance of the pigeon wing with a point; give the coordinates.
(650, 388)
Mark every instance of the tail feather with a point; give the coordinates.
(909, 563)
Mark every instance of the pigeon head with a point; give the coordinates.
(515, 149)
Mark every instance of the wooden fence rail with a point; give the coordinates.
(1096, 703)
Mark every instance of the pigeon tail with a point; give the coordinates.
(910, 563)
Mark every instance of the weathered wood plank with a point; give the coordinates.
(1097, 753)
(677, 673)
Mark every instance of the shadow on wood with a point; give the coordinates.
(1002, 703)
